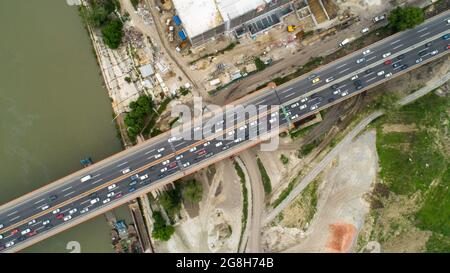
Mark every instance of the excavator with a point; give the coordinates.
(291, 28)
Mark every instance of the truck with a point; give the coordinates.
(343, 43)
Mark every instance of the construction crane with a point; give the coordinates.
(291, 28)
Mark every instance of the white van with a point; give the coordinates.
(343, 43)
(86, 178)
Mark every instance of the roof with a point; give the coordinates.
(146, 70)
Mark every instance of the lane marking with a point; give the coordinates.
(341, 66)
(290, 95)
(371, 58)
(68, 188)
(72, 192)
(396, 41)
(12, 213)
(425, 34)
(37, 202)
(84, 202)
(121, 164)
(96, 175)
(400, 45)
(371, 79)
(423, 29)
(15, 218)
(151, 151)
(96, 181)
(284, 91)
(344, 70)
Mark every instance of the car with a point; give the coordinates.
(93, 201)
(365, 30)
(67, 218)
(360, 60)
(32, 222)
(118, 195)
(1, 225)
(237, 140)
(403, 66)
(387, 54)
(396, 64)
(14, 231)
(423, 52)
(314, 107)
(186, 164)
(1, 236)
(86, 178)
(132, 183)
(32, 233)
(242, 127)
(254, 123)
(106, 200)
(354, 77)
(448, 46)
(388, 61)
(219, 129)
(165, 162)
(131, 189)
(43, 208)
(9, 244)
(345, 93)
(272, 120)
(197, 128)
(60, 216)
(295, 116)
(112, 186)
(161, 149)
(316, 80)
(218, 144)
(388, 75)
(366, 52)
(419, 60)
(295, 104)
(164, 169)
(378, 18)
(172, 139)
(446, 37)
(53, 197)
(56, 211)
(46, 222)
(134, 177)
(358, 83)
(448, 21)
(127, 170)
(434, 52)
(312, 76)
(206, 143)
(157, 156)
(368, 71)
(172, 165)
(86, 209)
(178, 157)
(334, 86)
(304, 99)
(428, 44)
(201, 152)
(337, 91)
(303, 106)
(193, 149)
(272, 115)
(330, 79)
(111, 194)
(380, 73)
(401, 57)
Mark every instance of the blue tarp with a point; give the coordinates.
(182, 35)
(177, 20)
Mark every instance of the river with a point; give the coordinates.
(53, 108)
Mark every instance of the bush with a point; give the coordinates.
(192, 191)
(161, 231)
(260, 65)
(171, 202)
(141, 109)
(284, 159)
(264, 177)
(404, 18)
(112, 33)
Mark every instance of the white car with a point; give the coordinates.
(242, 127)
(193, 149)
(25, 231)
(380, 73)
(314, 107)
(46, 222)
(9, 244)
(419, 60)
(206, 143)
(230, 133)
(72, 211)
(111, 194)
(218, 144)
(434, 52)
(388, 75)
(304, 99)
(161, 149)
(110, 187)
(272, 120)
(45, 207)
(1, 236)
(32, 222)
(366, 52)
(354, 77)
(219, 129)
(253, 123)
(106, 200)
(56, 211)
(295, 116)
(179, 157)
(164, 169)
(303, 106)
(330, 79)
(385, 55)
(365, 30)
(237, 140)
(174, 138)
(345, 93)
(127, 170)
(165, 162)
(186, 164)
(84, 210)
(360, 60)
(337, 91)
(295, 104)
(93, 201)
(197, 128)
(1, 225)
(274, 114)
(157, 156)
(145, 176)
(67, 218)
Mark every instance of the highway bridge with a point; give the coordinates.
(163, 159)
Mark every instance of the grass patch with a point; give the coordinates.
(284, 194)
(300, 132)
(241, 175)
(284, 159)
(264, 177)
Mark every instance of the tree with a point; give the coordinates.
(404, 18)
(161, 231)
(112, 33)
(192, 191)
(171, 202)
(98, 16)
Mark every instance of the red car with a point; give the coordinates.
(172, 165)
(448, 46)
(201, 152)
(118, 195)
(60, 216)
(14, 231)
(33, 232)
(388, 62)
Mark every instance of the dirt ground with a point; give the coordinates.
(341, 205)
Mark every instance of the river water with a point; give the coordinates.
(53, 108)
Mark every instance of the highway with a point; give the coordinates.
(124, 176)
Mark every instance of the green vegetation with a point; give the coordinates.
(135, 3)
(284, 194)
(192, 191)
(112, 33)
(183, 91)
(245, 200)
(161, 231)
(128, 79)
(402, 18)
(306, 204)
(260, 65)
(264, 177)
(438, 244)
(284, 159)
(300, 132)
(307, 149)
(171, 201)
(141, 110)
